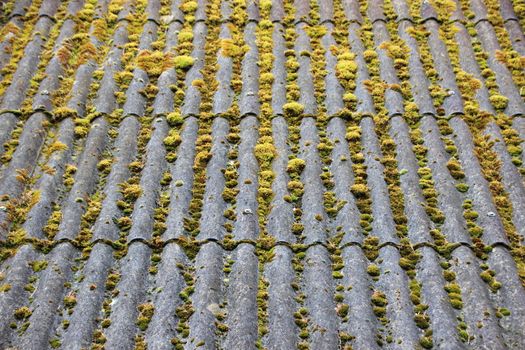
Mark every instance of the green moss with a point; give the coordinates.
(297, 228)
(452, 288)
(185, 36)
(130, 192)
(222, 327)
(379, 311)
(422, 321)
(373, 270)
(296, 189)
(39, 265)
(104, 165)
(265, 151)
(462, 187)
(369, 55)
(172, 140)
(55, 343)
(135, 167)
(406, 264)
(495, 286)
(359, 190)
(230, 48)
(470, 215)
(6, 287)
(301, 319)
(464, 336)
(154, 62)
(455, 169)
(456, 303)
(229, 195)
(267, 78)
(504, 311)
(189, 6)
(145, 314)
(16, 237)
(379, 298)
(22, 313)
(70, 300)
(174, 119)
(346, 67)
(337, 274)
(51, 228)
(293, 109)
(514, 150)
(342, 310)
(123, 78)
(295, 166)
(449, 276)
(499, 101)
(183, 62)
(54, 147)
(426, 342)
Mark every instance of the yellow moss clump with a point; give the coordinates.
(369, 55)
(54, 147)
(295, 166)
(22, 313)
(265, 24)
(62, 113)
(104, 165)
(350, 98)
(373, 270)
(123, 78)
(185, 36)
(100, 29)
(293, 109)
(81, 127)
(455, 169)
(9, 29)
(316, 32)
(353, 135)
(359, 190)
(154, 63)
(499, 101)
(189, 6)
(131, 192)
(266, 78)
(174, 119)
(296, 189)
(183, 62)
(230, 49)
(394, 51)
(346, 67)
(16, 237)
(88, 51)
(265, 152)
(172, 140)
(146, 313)
(266, 5)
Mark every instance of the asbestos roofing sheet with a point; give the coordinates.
(272, 174)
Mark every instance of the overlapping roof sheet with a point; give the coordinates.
(238, 174)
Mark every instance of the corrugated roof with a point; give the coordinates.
(277, 174)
